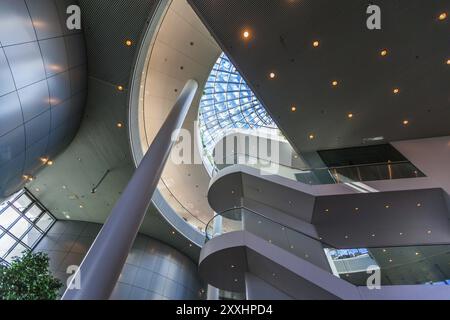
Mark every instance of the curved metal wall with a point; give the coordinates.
(42, 86)
(153, 271)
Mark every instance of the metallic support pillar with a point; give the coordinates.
(104, 261)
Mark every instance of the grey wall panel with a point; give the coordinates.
(77, 77)
(33, 161)
(34, 100)
(6, 79)
(26, 63)
(37, 128)
(10, 113)
(34, 75)
(12, 168)
(45, 18)
(153, 270)
(59, 86)
(54, 54)
(16, 25)
(11, 145)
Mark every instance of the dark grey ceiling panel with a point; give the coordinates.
(282, 34)
(35, 75)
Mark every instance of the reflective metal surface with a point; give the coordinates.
(42, 87)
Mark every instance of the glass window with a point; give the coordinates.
(18, 250)
(32, 237)
(34, 212)
(23, 202)
(8, 217)
(45, 222)
(6, 243)
(19, 228)
(22, 225)
(228, 103)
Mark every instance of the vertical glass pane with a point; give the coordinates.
(8, 217)
(23, 202)
(19, 228)
(34, 212)
(45, 222)
(6, 243)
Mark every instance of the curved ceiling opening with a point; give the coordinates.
(227, 104)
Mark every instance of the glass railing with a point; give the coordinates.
(407, 265)
(326, 175)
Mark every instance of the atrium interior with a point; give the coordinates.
(226, 149)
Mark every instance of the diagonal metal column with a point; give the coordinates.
(104, 261)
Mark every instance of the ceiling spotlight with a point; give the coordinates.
(443, 16)
(316, 44)
(272, 75)
(311, 137)
(405, 122)
(293, 108)
(327, 210)
(396, 91)
(128, 43)
(387, 206)
(383, 52)
(246, 34)
(350, 115)
(448, 62)
(419, 204)
(119, 125)
(417, 253)
(334, 83)
(356, 209)
(120, 88)
(429, 231)
(49, 162)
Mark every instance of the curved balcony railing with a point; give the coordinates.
(397, 265)
(326, 175)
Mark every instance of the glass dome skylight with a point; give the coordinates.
(228, 103)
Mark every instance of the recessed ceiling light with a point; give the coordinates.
(387, 206)
(246, 34)
(448, 61)
(334, 83)
(311, 137)
(390, 260)
(350, 115)
(293, 108)
(383, 53)
(396, 91)
(128, 43)
(417, 253)
(120, 88)
(373, 235)
(419, 204)
(405, 122)
(443, 16)
(346, 237)
(429, 231)
(272, 75)
(316, 44)
(119, 125)
(327, 210)
(81, 206)
(356, 209)
(401, 233)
